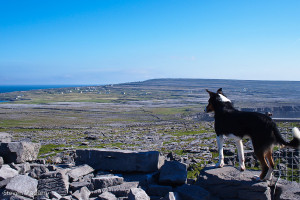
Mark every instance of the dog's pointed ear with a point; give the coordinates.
(209, 92)
(220, 91)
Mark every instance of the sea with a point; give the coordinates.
(15, 88)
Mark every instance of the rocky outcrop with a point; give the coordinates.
(174, 173)
(230, 183)
(120, 160)
(144, 178)
(19, 152)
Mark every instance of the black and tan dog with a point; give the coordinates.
(260, 128)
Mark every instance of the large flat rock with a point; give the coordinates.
(7, 172)
(23, 185)
(19, 152)
(79, 171)
(230, 183)
(120, 160)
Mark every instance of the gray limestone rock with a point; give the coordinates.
(19, 152)
(106, 181)
(120, 160)
(118, 190)
(286, 190)
(55, 195)
(54, 181)
(173, 173)
(77, 185)
(4, 182)
(37, 171)
(7, 172)
(158, 190)
(13, 196)
(79, 171)
(82, 194)
(138, 194)
(24, 168)
(230, 183)
(23, 185)
(143, 179)
(107, 196)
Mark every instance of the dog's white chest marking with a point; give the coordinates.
(224, 99)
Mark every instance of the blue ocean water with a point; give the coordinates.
(14, 88)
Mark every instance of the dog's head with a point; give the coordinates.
(215, 99)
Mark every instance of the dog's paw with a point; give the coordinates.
(242, 168)
(257, 178)
(220, 164)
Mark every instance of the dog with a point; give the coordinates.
(260, 128)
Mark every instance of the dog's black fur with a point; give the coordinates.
(259, 127)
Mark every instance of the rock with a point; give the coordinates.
(54, 181)
(54, 195)
(120, 160)
(79, 171)
(82, 194)
(286, 190)
(4, 182)
(7, 172)
(106, 181)
(19, 152)
(192, 192)
(230, 183)
(23, 185)
(37, 171)
(158, 190)
(1, 161)
(107, 196)
(143, 179)
(91, 137)
(66, 198)
(118, 190)
(24, 168)
(5, 137)
(173, 173)
(56, 160)
(77, 185)
(138, 194)
(13, 196)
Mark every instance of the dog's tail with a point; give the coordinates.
(294, 143)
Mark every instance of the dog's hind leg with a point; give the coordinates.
(220, 141)
(271, 165)
(240, 147)
(261, 157)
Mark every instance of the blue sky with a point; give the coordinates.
(114, 41)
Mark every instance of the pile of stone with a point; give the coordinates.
(93, 174)
(101, 174)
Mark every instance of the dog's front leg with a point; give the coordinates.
(220, 141)
(240, 147)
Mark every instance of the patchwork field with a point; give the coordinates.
(163, 114)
